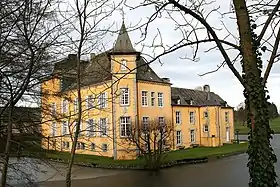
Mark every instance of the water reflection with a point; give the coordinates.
(229, 172)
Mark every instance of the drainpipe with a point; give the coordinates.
(199, 125)
(114, 122)
(219, 126)
(173, 136)
(137, 116)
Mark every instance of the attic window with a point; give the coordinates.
(178, 101)
(191, 102)
(123, 64)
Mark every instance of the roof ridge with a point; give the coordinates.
(192, 89)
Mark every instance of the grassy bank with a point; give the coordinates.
(274, 124)
(172, 158)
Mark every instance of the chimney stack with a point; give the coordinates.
(92, 56)
(206, 88)
(165, 79)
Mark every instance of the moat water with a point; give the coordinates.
(227, 172)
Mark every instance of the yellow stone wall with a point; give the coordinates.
(122, 148)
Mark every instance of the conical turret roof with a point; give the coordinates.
(123, 43)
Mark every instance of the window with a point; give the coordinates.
(206, 128)
(53, 109)
(123, 65)
(160, 99)
(104, 147)
(178, 138)
(75, 126)
(92, 146)
(192, 118)
(144, 98)
(178, 101)
(102, 100)
(64, 106)
(191, 102)
(124, 96)
(145, 123)
(161, 123)
(226, 117)
(103, 126)
(153, 99)
(205, 115)
(65, 128)
(90, 130)
(192, 134)
(125, 126)
(90, 102)
(76, 104)
(80, 145)
(65, 145)
(178, 117)
(53, 129)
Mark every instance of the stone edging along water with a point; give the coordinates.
(164, 165)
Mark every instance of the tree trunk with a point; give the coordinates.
(261, 155)
(7, 148)
(78, 124)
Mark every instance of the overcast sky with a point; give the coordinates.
(185, 73)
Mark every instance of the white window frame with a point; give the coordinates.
(192, 117)
(144, 98)
(53, 109)
(90, 128)
(161, 122)
(192, 136)
(64, 128)
(54, 129)
(103, 131)
(123, 64)
(102, 100)
(76, 104)
(205, 129)
(160, 99)
(92, 146)
(226, 117)
(80, 128)
(124, 99)
(178, 117)
(64, 106)
(153, 99)
(179, 137)
(65, 145)
(125, 126)
(81, 146)
(103, 147)
(145, 122)
(206, 114)
(90, 102)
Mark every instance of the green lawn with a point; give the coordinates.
(193, 153)
(275, 125)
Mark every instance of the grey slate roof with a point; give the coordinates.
(123, 43)
(198, 97)
(98, 69)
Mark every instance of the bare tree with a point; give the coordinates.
(152, 137)
(259, 32)
(26, 39)
(84, 19)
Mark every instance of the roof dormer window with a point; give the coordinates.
(178, 101)
(191, 102)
